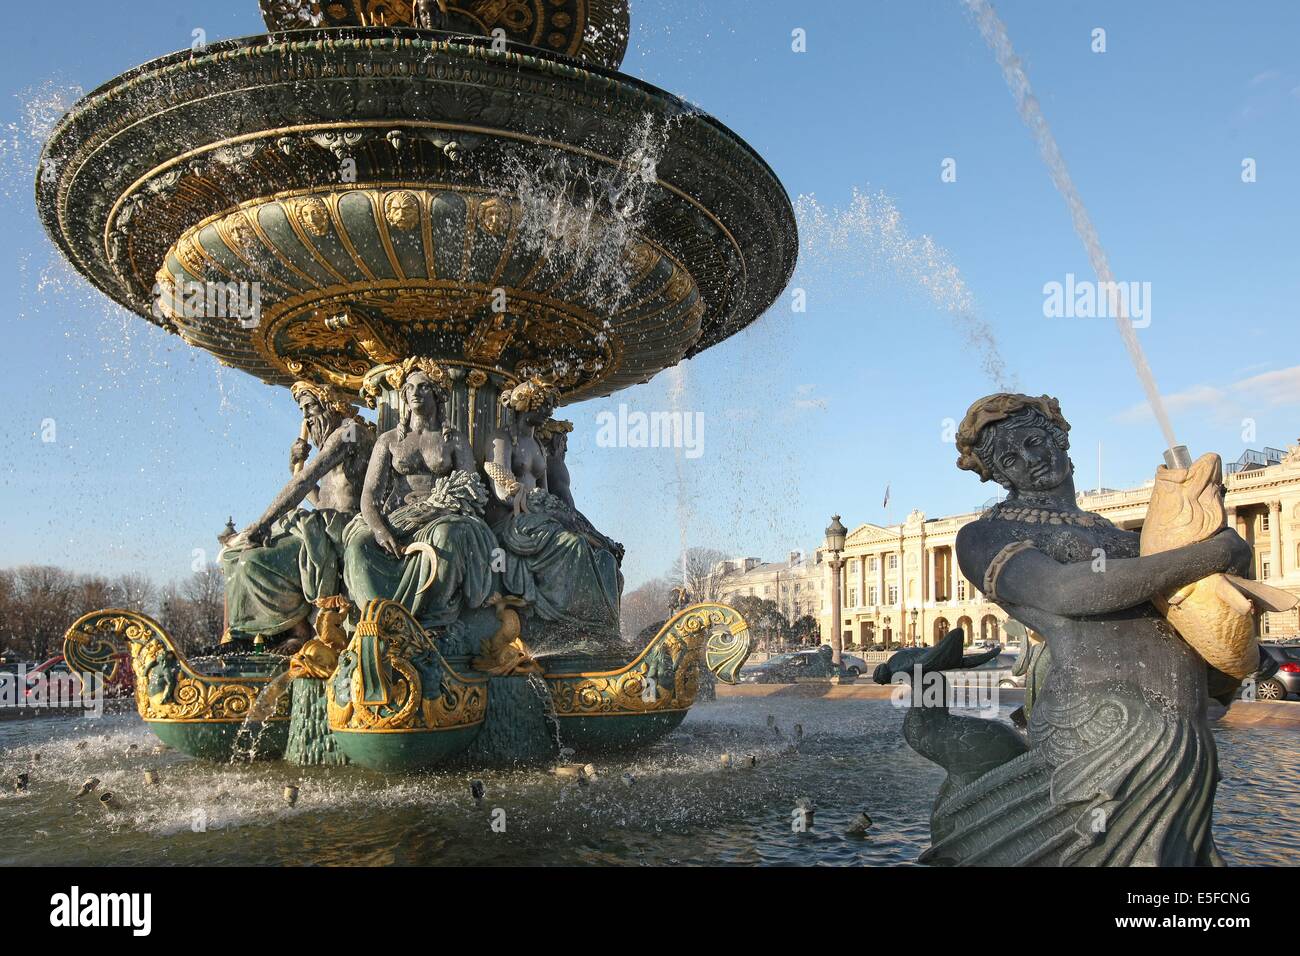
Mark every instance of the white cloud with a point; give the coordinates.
(1278, 388)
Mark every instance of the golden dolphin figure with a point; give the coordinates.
(1214, 614)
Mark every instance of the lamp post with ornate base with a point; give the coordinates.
(835, 535)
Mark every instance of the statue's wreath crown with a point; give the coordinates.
(995, 408)
(327, 395)
(397, 375)
(530, 395)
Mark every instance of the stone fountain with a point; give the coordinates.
(461, 216)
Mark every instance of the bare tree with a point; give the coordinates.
(193, 612)
(45, 609)
(647, 606)
(700, 571)
(135, 592)
(206, 590)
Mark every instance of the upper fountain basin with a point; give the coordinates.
(592, 30)
(394, 192)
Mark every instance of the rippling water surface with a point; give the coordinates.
(682, 805)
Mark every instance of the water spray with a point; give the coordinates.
(995, 35)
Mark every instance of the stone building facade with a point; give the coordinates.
(901, 584)
(796, 585)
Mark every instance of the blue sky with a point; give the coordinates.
(806, 414)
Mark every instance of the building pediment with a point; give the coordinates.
(867, 533)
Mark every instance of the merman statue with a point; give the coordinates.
(565, 570)
(421, 539)
(290, 558)
(1120, 767)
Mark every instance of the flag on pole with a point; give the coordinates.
(885, 503)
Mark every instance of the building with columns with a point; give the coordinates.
(901, 583)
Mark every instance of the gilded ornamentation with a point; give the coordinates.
(552, 427)
(166, 687)
(396, 376)
(392, 678)
(666, 675)
(325, 394)
(589, 29)
(639, 257)
(242, 234)
(402, 210)
(476, 378)
(494, 216)
(492, 335)
(505, 652)
(680, 285)
(312, 213)
(530, 395)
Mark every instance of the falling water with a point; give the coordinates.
(870, 235)
(676, 400)
(574, 214)
(995, 35)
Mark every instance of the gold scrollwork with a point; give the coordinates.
(166, 687)
(381, 684)
(665, 677)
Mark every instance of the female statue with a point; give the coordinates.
(420, 539)
(565, 569)
(1121, 768)
(290, 558)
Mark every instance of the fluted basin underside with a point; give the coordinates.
(382, 188)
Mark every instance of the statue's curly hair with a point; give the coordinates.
(975, 437)
(328, 396)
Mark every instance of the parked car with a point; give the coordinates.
(999, 667)
(1286, 680)
(788, 668)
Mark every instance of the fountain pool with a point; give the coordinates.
(682, 807)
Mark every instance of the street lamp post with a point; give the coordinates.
(835, 535)
(915, 612)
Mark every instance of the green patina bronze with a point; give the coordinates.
(463, 233)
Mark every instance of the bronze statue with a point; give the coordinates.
(290, 558)
(1120, 766)
(420, 539)
(555, 559)
(430, 14)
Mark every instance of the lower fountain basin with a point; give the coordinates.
(395, 704)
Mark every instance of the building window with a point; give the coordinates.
(1263, 569)
(853, 565)
(873, 595)
(1263, 521)
(961, 589)
(873, 565)
(893, 562)
(853, 598)
(893, 594)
